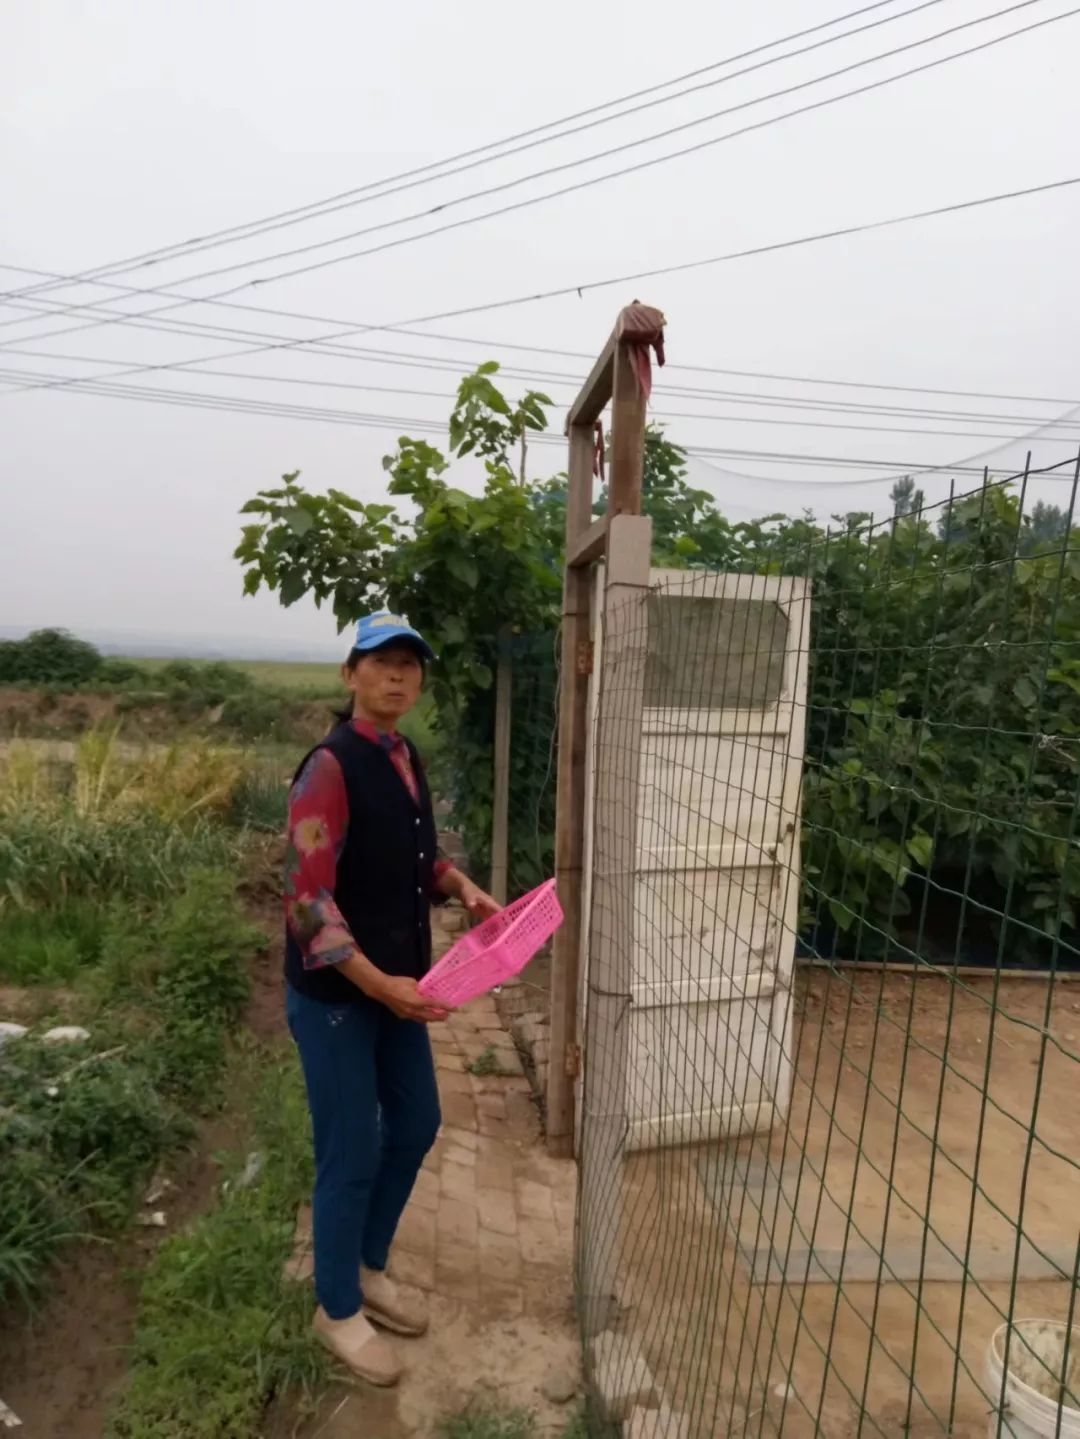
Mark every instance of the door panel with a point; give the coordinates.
(697, 923)
(716, 883)
(699, 1071)
(706, 790)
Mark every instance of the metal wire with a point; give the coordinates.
(815, 1193)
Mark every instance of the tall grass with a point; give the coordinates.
(49, 855)
(108, 778)
(175, 781)
(261, 801)
(112, 825)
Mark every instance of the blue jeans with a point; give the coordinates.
(375, 1113)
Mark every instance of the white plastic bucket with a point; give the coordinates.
(1041, 1401)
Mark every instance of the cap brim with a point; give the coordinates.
(402, 637)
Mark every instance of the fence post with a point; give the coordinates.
(614, 853)
(611, 928)
(570, 800)
(500, 808)
(613, 377)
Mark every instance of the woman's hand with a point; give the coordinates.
(402, 995)
(478, 904)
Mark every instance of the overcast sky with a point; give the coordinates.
(127, 126)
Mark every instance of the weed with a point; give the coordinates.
(220, 1331)
(176, 781)
(482, 1422)
(578, 1427)
(486, 1064)
(52, 946)
(486, 1421)
(78, 1131)
(188, 970)
(35, 1218)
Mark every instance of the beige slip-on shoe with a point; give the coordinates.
(356, 1344)
(387, 1306)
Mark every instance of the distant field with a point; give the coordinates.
(316, 681)
(304, 680)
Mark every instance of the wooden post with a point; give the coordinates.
(570, 802)
(611, 923)
(612, 377)
(500, 817)
(627, 455)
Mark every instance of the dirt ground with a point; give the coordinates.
(853, 1264)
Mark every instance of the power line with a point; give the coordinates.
(185, 400)
(774, 247)
(410, 183)
(277, 409)
(895, 469)
(347, 198)
(1049, 423)
(584, 184)
(457, 366)
(622, 149)
(191, 327)
(751, 252)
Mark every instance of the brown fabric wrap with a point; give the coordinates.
(642, 328)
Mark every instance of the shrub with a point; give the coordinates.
(48, 657)
(941, 750)
(204, 942)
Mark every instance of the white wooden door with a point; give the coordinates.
(717, 875)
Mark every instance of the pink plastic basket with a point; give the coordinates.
(495, 950)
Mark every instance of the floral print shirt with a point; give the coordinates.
(318, 825)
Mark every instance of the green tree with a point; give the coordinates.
(1046, 527)
(462, 566)
(943, 715)
(906, 499)
(466, 567)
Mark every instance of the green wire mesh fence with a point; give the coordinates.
(830, 1133)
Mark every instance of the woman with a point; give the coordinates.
(361, 874)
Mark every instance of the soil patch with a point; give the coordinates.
(861, 1203)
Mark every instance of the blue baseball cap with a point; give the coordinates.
(383, 628)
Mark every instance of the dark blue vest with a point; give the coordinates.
(384, 873)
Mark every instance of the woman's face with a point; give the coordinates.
(386, 683)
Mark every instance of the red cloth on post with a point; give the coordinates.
(642, 327)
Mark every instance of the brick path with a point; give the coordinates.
(492, 1217)
(488, 1236)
